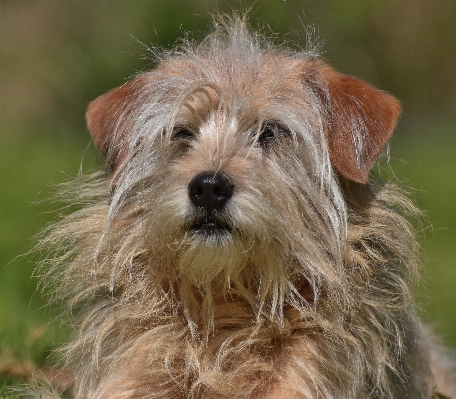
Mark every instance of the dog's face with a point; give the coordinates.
(226, 162)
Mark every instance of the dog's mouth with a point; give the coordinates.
(209, 226)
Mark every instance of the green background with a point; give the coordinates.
(58, 55)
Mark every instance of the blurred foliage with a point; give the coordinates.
(57, 55)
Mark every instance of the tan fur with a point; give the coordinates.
(307, 296)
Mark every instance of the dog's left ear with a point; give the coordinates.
(358, 119)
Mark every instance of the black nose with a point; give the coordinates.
(210, 190)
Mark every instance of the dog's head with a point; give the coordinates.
(232, 154)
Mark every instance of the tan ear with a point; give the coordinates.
(358, 119)
(110, 120)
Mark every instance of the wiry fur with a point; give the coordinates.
(308, 296)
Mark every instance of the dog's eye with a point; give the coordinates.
(271, 133)
(182, 133)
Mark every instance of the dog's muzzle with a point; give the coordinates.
(210, 191)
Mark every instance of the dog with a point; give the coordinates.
(236, 246)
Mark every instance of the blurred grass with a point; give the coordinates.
(428, 167)
(30, 167)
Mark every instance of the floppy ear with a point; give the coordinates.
(358, 120)
(110, 119)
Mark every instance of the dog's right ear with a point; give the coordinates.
(110, 119)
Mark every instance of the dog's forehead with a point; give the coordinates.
(261, 76)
